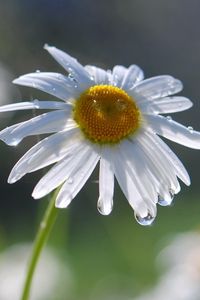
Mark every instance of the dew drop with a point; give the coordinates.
(103, 207)
(190, 128)
(36, 103)
(43, 225)
(70, 180)
(37, 71)
(71, 77)
(54, 89)
(96, 105)
(11, 142)
(121, 105)
(115, 79)
(169, 118)
(146, 221)
(59, 77)
(166, 201)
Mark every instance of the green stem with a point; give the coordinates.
(40, 240)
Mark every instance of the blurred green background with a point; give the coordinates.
(106, 257)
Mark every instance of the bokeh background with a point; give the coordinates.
(97, 257)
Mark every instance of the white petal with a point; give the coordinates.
(160, 179)
(174, 131)
(166, 105)
(132, 76)
(45, 123)
(159, 165)
(71, 65)
(127, 185)
(174, 161)
(100, 76)
(78, 177)
(118, 74)
(137, 169)
(36, 104)
(54, 84)
(106, 183)
(158, 87)
(44, 153)
(61, 171)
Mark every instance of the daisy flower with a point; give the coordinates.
(111, 117)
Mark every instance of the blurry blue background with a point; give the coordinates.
(107, 256)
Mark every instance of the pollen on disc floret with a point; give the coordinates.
(106, 114)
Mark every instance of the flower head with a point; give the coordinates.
(107, 117)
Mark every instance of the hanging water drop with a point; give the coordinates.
(146, 221)
(104, 207)
(167, 199)
(37, 71)
(12, 142)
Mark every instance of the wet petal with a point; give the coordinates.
(106, 183)
(71, 65)
(132, 76)
(45, 153)
(100, 76)
(36, 104)
(166, 105)
(61, 171)
(158, 87)
(174, 131)
(78, 178)
(42, 124)
(127, 185)
(54, 84)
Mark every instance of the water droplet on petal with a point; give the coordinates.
(169, 118)
(12, 142)
(36, 103)
(59, 77)
(54, 89)
(37, 71)
(146, 221)
(167, 199)
(115, 79)
(70, 180)
(104, 207)
(190, 128)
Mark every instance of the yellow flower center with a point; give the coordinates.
(106, 114)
